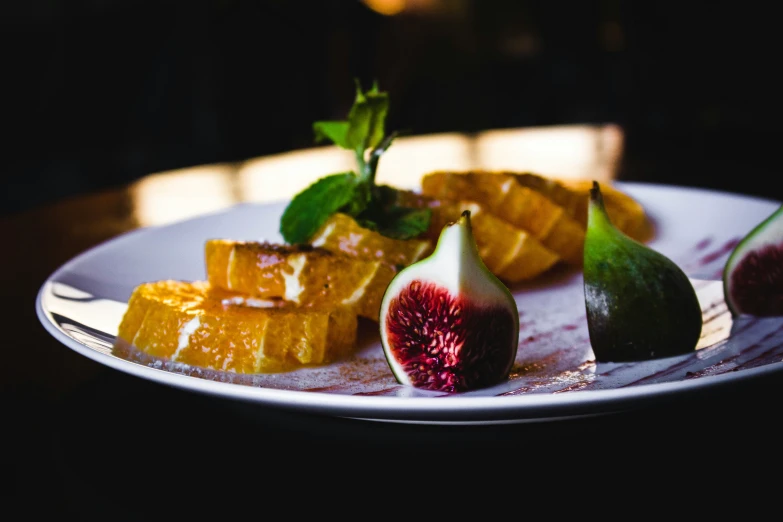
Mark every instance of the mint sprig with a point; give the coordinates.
(354, 193)
(401, 222)
(308, 211)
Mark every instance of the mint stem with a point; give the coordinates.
(375, 155)
(364, 168)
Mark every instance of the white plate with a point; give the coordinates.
(554, 377)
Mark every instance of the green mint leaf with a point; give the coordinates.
(392, 220)
(361, 200)
(309, 209)
(385, 196)
(406, 223)
(335, 131)
(367, 119)
(364, 130)
(368, 224)
(365, 126)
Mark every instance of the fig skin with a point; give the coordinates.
(753, 274)
(640, 305)
(447, 323)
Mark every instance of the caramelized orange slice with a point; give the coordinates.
(341, 233)
(573, 195)
(303, 275)
(519, 205)
(509, 252)
(188, 322)
(571, 201)
(624, 211)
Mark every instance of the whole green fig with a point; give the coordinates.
(640, 304)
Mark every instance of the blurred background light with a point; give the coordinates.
(280, 176)
(179, 194)
(564, 151)
(409, 158)
(395, 7)
(386, 7)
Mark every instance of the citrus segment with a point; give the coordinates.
(341, 233)
(188, 322)
(519, 205)
(572, 202)
(512, 254)
(301, 274)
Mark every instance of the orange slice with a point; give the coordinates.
(187, 322)
(624, 211)
(341, 233)
(571, 201)
(521, 206)
(300, 274)
(573, 195)
(512, 254)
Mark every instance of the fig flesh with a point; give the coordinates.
(753, 274)
(640, 305)
(446, 322)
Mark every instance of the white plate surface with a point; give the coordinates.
(554, 377)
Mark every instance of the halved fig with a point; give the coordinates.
(753, 274)
(447, 323)
(640, 304)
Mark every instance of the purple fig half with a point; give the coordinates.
(447, 323)
(753, 274)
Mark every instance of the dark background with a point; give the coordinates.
(98, 93)
(103, 92)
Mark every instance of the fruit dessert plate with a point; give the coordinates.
(554, 373)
